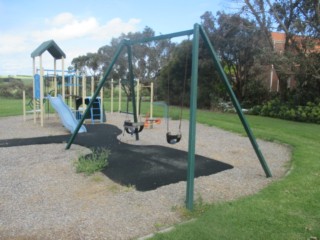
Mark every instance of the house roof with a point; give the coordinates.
(51, 47)
(280, 38)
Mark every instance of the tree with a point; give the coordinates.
(300, 21)
(93, 63)
(238, 42)
(174, 79)
(147, 58)
(107, 52)
(79, 63)
(237, 46)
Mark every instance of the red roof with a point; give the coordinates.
(276, 36)
(278, 40)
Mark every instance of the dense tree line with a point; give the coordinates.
(244, 45)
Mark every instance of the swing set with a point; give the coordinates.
(132, 127)
(197, 32)
(172, 138)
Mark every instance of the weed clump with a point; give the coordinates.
(94, 162)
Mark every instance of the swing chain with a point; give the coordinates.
(184, 85)
(175, 138)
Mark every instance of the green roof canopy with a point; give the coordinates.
(51, 47)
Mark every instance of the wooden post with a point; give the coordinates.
(151, 100)
(70, 90)
(138, 97)
(119, 106)
(83, 93)
(78, 83)
(41, 93)
(34, 91)
(92, 85)
(111, 96)
(63, 80)
(55, 78)
(101, 105)
(24, 104)
(74, 82)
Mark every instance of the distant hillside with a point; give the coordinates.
(12, 86)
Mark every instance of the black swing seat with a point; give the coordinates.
(132, 127)
(173, 138)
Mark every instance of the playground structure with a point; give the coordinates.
(149, 120)
(72, 88)
(67, 117)
(197, 31)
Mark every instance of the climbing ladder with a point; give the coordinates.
(96, 110)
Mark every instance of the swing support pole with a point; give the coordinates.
(235, 103)
(96, 93)
(192, 119)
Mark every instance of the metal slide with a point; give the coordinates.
(66, 116)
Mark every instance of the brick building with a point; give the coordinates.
(278, 40)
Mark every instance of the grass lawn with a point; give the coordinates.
(10, 107)
(287, 209)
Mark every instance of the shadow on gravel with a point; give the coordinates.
(145, 167)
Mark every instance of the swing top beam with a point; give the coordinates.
(197, 32)
(160, 37)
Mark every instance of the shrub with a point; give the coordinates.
(255, 94)
(12, 88)
(94, 162)
(274, 108)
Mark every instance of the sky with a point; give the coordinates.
(79, 26)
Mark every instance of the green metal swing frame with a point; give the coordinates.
(197, 32)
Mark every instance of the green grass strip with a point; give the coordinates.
(10, 107)
(287, 209)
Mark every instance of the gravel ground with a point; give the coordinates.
(41, 196)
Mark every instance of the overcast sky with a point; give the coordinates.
(79, 26)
